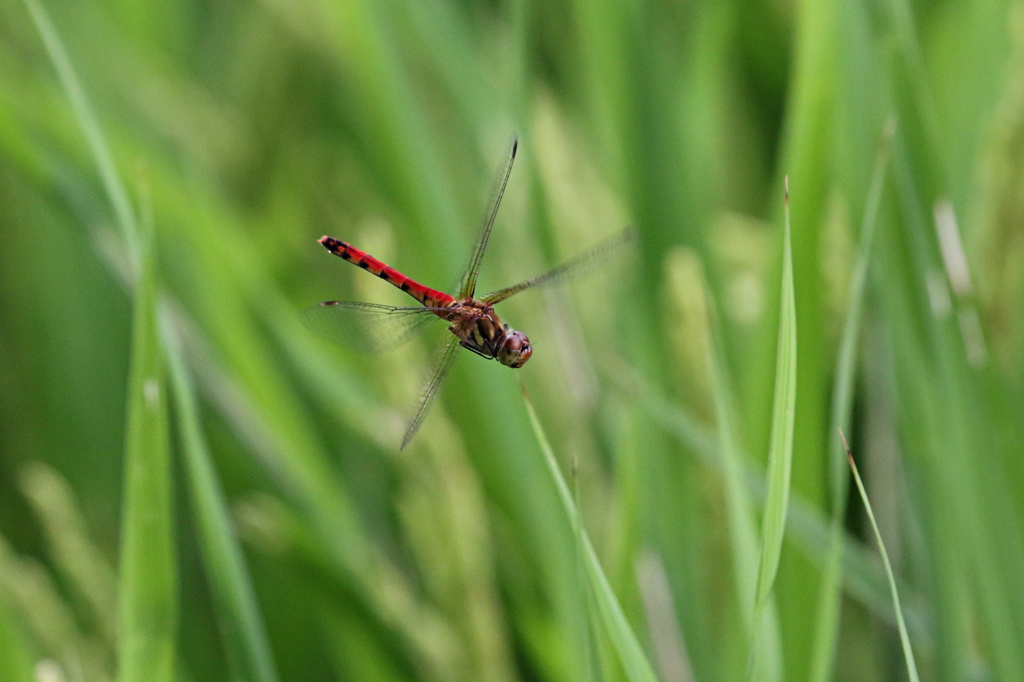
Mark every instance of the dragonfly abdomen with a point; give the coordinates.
(431, 298)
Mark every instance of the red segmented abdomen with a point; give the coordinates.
(431, 298)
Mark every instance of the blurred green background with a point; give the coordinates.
(242, 131)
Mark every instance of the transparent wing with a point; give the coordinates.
(449, 351)
(366, 327)
(609, 250)
(468, 286)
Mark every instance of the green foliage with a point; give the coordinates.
(195, 487)
(908, 651)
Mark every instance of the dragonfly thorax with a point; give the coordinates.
(481, 330)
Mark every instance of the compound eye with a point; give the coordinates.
(515, 350)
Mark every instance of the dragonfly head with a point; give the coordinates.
(515, 349)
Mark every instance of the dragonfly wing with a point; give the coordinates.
(468, 286)
(449, 351)
(581, 265)
(366, 327)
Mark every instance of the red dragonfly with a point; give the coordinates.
(473, 322)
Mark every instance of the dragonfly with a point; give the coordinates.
(473, 322)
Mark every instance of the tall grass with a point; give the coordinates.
(194, 486)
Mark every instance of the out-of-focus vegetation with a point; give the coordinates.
(192, 486)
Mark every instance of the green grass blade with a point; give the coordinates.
(148, 612)
(823, 652)
(631, 654)
(244, 637)
(780, 453)
(741, 506)
(147, 608)
(908, 652)
(98, 146)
